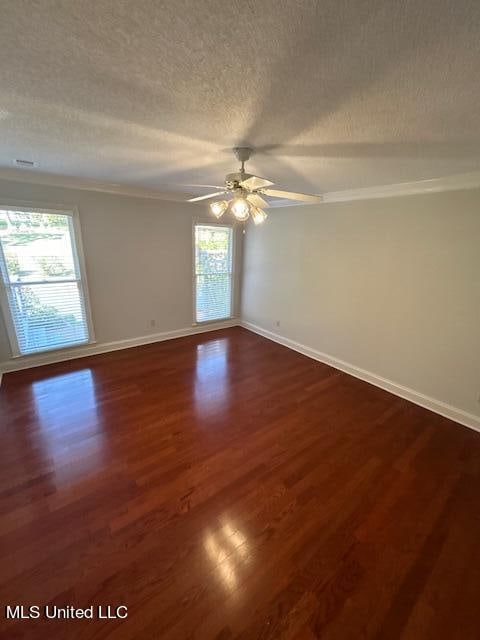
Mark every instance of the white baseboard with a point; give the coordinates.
(448, 411)
(27, 362)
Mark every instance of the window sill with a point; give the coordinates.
(204, 323)
(67, 347)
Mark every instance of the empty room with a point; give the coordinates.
(240, 320)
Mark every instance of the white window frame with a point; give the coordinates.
(79, 260)
(208, 223)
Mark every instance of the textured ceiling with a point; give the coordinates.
(337, 94)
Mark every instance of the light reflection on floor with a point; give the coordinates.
(70, 427)
(211, 383)
(226, 547)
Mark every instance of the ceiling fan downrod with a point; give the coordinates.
(242, 154)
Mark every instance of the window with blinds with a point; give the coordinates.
(213, 272)
(43, 291)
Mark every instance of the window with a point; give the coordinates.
(43, 292)
(213, 272)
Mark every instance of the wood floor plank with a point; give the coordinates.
(223, 486)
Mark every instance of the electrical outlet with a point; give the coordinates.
(277, 323)
(153, 323)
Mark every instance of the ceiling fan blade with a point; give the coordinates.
(290, 195)
(209, 195)
(199, 186)
(255, 182)
(257, 200)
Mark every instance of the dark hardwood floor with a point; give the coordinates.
(222, 486)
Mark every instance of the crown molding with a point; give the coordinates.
(435, 185)
(70, 182)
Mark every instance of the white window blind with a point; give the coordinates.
(213, 272)
(43, 292)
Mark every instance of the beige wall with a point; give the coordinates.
(391, 286)
(138, 255)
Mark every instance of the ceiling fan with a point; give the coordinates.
(247, 191)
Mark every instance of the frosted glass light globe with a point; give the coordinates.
(258, 215)
(240, 208)
(218, 208)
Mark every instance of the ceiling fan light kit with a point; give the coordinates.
(258, 215)
(218, 208)
(247, 191)
(240, 207)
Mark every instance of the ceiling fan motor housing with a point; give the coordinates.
(232, 180)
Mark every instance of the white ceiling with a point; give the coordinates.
(337, 94)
